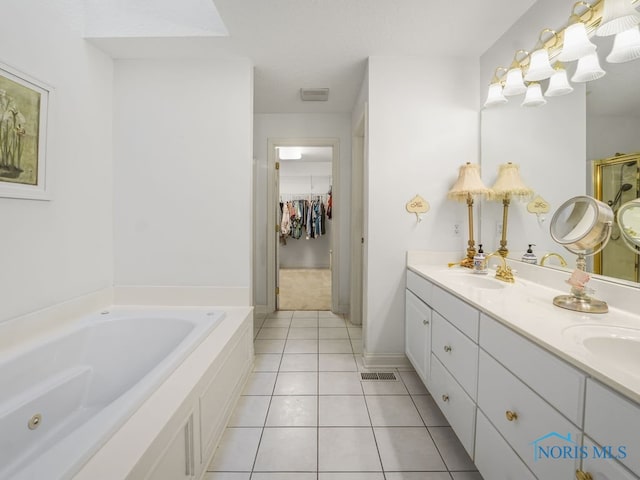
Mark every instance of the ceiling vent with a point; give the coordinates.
(314, 94)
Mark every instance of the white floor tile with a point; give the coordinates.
(257, 322)
(407, 449)
(339, 383)
(466, 476)
(299, 362)
(288, 450)
(384, 387)
(237, 450)
(305, 314)
(429, 411)
(331, 322)
(284, 476)
(417, 476)
(293, 411)
(304, 333)
(413, 383)
(268, 346)
(451, 450)
(281, 314)
(304, 323)
(333, 333)
(296, 383)
(356, 344)
(250, 411)
(329, 314)
(273, 333)
(227, 476)
(347, 449)
(355, 332)
(334, 346)
(301, 346)
(337, 362)
(343, 411)
(350, 476)
(266, 362)
(393, 411)
(260, 383)
(277, 322)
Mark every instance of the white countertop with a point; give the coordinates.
(526, 307)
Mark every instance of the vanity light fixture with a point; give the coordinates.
(467, 186)
(539, 66)
(495, 95)
(588, 69)
(558, 82)
(617, 16)
(533, 97)
(508, 184)
(576, 41)
(626, 46)
(514, 85)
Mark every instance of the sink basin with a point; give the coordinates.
(617, 346)
(477, 281)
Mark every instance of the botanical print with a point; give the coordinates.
(19, 130)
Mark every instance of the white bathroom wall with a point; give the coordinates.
(57, 250)
(282, 126)
(548, 142)
(423, 124)
(608, 135)
(182, 169)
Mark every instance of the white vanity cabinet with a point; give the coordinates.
(418, 335)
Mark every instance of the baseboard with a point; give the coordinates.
(385, 360)
(262, 309)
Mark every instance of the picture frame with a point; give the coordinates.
(24, 109)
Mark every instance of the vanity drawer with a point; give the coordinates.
(614, 421)
(419, 286)
(601, 468)
(494, 458)
(536, 427)
(456, 405)
(459, 313)
(456, 352)
(532, 364)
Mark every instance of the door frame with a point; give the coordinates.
(272, 200)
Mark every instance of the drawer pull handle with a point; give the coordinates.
(447, 349)
(445, 398)
(511, 416)
(425, 322)
(580, 475)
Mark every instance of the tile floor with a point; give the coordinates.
(305, 413)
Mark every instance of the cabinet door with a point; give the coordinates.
(177, 461)
(418, 335)
(602, 468)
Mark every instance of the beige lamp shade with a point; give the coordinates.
(468, 183)
(509, 183)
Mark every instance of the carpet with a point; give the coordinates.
(305, 289)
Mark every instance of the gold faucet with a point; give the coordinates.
(503, 272)
(563, 262)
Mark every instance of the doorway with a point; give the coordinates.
(616, 181)
(302, 207)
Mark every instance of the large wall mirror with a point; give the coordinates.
(570, 146)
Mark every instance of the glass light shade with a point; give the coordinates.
(495, 95)
(617, 16)
(558, 84)
(514, 85)
(588, 69)
(534, 97)
(576, 43)
(626, 46)
(539, 66)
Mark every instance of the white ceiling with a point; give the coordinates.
(316, 43)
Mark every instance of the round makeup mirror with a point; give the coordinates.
(582, 225)
(628, 219)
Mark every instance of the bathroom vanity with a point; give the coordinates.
(532, 391)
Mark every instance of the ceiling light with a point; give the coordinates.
(514, 85)
(626, 46)
(576, 43)
(588, 69)
(289, 153)
(539, 65)
(495, 95)
(534, 97)
(617, 16)
(558, 83)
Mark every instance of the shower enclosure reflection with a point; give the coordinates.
(616, 183)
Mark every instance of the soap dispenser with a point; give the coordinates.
(479, 262)
(530, 257)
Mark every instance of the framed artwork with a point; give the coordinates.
(24, 104)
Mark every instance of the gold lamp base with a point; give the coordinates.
(583, 304)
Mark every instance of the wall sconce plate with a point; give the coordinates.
(418, 205)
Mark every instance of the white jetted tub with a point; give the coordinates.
(62, 399)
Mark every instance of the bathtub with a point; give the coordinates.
(61, 400)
